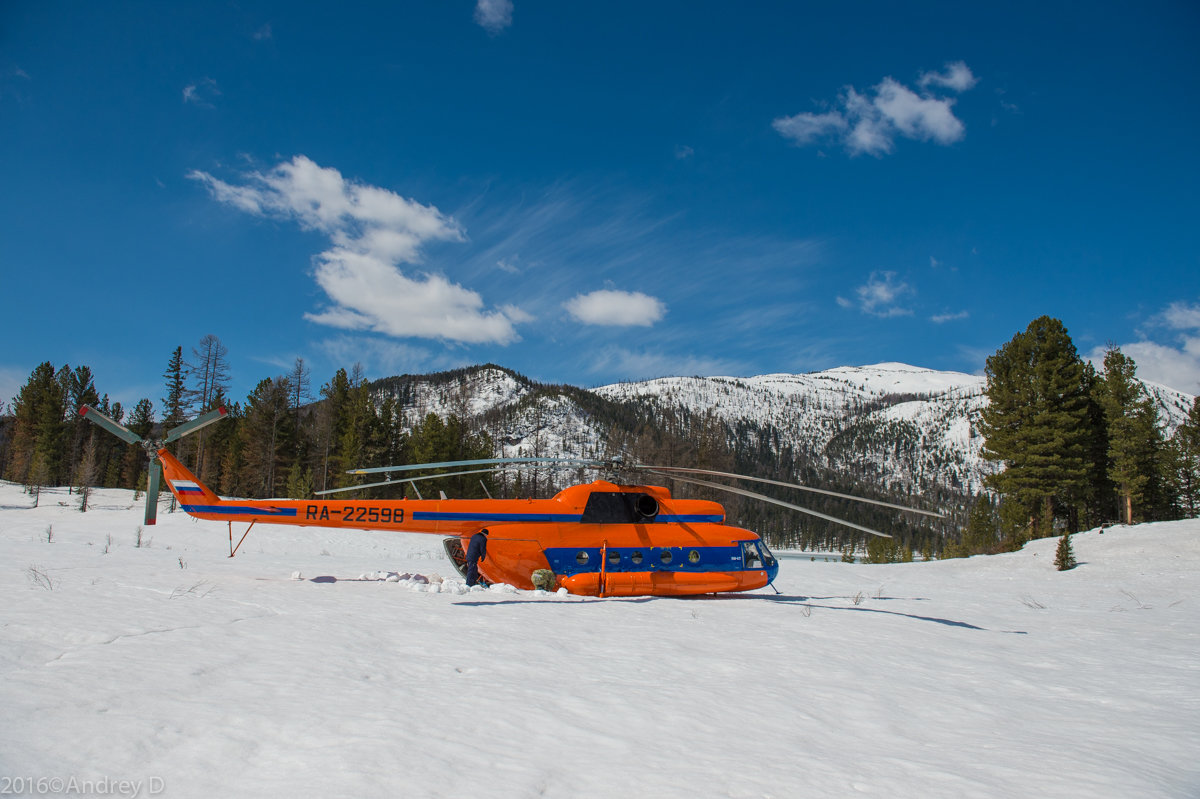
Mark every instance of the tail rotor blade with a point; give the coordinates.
(176, 433)
(118, 430)
(152, 481)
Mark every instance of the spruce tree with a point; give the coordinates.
(38, 429)
(174, 412)
(1187, 438)
(1037, 424)
(1134, 439)
(265, 433)
(1064, 556)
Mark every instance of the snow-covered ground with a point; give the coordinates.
(174, 668)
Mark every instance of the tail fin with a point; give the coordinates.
(186, 487)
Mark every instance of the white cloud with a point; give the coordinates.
(869, 123)
(493, 15)
(948, 317)
(372, 231)
(916, 117)
(807, 128)
(1181, 316)
(616, 308)
(956, 77)
(1175, 366)
(880, 296)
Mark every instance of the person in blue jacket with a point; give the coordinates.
(476, 551)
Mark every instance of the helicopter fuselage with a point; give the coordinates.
(598, 539)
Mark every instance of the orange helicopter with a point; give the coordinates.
(595, 539)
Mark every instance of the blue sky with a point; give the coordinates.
(589, 192)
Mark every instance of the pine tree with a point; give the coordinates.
(1187, 438)
(38, 429)
(81, 390)
(265, 434)
(980, 537)
(1064, 556)
(133, 460)
(174, 412)
(1037, 423)
(331, 424)
(1134, 438)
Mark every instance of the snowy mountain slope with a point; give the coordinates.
(900, 424)
(899, 427)
(175, 667)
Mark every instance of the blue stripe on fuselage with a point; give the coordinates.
(562, 518)
(433, 516)
(236, 510)
(565, 560)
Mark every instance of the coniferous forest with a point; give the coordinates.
(1078, 447)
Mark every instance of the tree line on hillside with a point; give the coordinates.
(1078, 447)
(280, 441)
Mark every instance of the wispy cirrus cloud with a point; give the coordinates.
(871, 122)
(203, 93)
(493, 15)
(880, 296)
(372, 231)
(648, 364)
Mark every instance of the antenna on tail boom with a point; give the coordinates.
(151, 446)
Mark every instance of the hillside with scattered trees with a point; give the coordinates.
(1043, 444)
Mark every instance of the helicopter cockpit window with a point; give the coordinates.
(768, 558)
(750, 557)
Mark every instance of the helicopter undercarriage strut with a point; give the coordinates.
(232, 549)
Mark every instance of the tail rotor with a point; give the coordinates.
(151, 447)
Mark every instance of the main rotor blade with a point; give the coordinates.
(797, 486)
(118, 430)
(763, 497)
(152, 491)
(200, 421)
(480, 462)
(403, 480)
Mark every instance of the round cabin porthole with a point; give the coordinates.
(614, 557)
(693, 557)
(665, 556)
(581, 557)
(636, 557)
